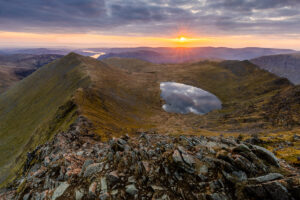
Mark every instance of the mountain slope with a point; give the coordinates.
(28, 109)
(17, 66)
(284, 65)
(242, 87)
(7, 77)
(55, 95)
(122, 96)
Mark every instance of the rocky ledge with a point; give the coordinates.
(77, 165)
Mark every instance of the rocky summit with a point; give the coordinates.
(76, 164)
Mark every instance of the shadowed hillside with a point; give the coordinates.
(284, 65)
(17, 66)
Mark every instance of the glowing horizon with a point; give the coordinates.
(80, 40)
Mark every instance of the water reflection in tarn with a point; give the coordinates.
(181, 98)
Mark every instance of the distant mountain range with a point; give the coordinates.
(180, 55)
(284, 65)
(161, 54)
(34, 51)
(150, 56)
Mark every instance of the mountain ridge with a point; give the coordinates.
(119, 101)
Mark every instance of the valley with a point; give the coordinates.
(122, 96)
(149, 100)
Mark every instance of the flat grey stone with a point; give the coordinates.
(59, 191)
(79, 194)
(203, 169)
(131, 189)
(177, 157)
(103, 185)
(268, 177)
(188, 159)
(93, 169)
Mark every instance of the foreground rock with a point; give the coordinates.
(78, 166)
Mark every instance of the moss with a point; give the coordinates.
(284, 146)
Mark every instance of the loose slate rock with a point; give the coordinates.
(59, 191)
(188, 159)
(268, 177)
(113, 177)
(163, 167)
(177, 157)
(79, 194)
(92, 169)
(266, 154)
(131, 189)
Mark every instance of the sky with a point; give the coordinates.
(131, 23)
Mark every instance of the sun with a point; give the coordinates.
(182, 39)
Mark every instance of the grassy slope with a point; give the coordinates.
(123, 96)
(7, 78)
(28, 110)
(242, 87)
(118, 102)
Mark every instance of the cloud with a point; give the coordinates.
(181, 98)
(156, 17)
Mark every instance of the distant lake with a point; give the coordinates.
(181, 98)
(95, 54)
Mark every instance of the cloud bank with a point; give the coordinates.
(155, 17)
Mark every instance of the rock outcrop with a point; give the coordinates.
(152, 166)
